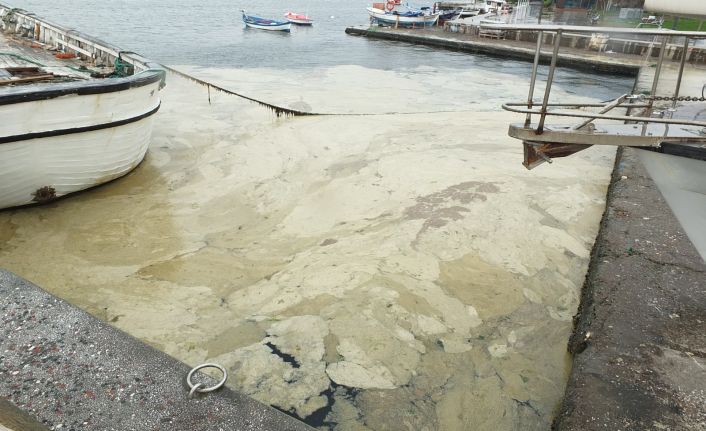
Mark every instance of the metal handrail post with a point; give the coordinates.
(537, 54)
(681, 72)
(550, 79)
(658, 69)
(655, 81)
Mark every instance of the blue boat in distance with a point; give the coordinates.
(265, 24)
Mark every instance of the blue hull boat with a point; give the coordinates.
(265, 24)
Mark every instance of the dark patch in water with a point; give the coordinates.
(317, 419)
(285, 356)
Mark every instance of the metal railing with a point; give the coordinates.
(627, 101)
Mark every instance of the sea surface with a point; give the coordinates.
(398, 270)
(211, 34)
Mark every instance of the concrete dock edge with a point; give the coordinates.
(640, 334)
(69, 370)
(506, 49)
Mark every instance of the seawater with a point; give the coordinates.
(211, 34)
(380, 272)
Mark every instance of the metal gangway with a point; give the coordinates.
(635, 121)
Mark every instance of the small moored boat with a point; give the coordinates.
(298, 18)
(265, 24)
(411, 18)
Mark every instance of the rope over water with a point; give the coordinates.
(278, 110)
(287, 112)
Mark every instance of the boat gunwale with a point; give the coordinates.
(46, 91)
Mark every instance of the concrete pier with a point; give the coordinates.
(568, 57)
(586, 51)
(68, 370)
(639, 345)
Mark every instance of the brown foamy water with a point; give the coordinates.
(390, 272)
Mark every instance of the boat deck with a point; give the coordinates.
(17, 52)
(12, 46)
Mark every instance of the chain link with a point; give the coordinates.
(678, 99)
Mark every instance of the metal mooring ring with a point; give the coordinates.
(199, 387)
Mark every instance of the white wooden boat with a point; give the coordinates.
(405, 19)
(265, 24)
(62, 133)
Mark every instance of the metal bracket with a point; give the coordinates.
(537, 153)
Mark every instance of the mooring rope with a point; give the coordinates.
(281, 111)
(278, 110)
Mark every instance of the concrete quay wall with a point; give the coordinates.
(593, 42)
(576, 59)
(639, 343)
(66, 369)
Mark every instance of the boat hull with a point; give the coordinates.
(265, 24)
(399, 20)
(57, 145)
(280, 27)
(298, 19)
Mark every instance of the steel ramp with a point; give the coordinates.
(564, 140)
(629, 135)
(645, 122)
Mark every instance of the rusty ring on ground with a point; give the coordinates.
(199, 387)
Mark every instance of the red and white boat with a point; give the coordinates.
(298, 18)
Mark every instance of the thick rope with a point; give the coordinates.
(280, 111)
